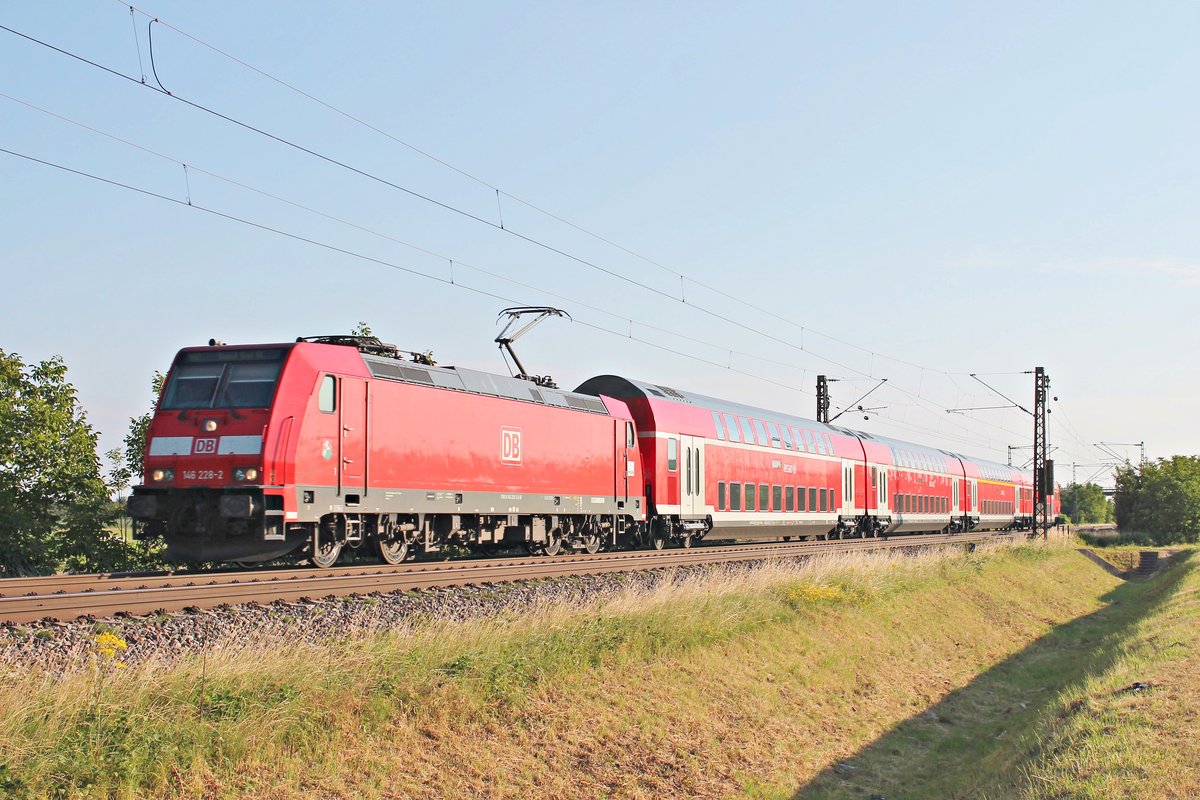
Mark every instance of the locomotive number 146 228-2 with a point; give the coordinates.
(204, 474)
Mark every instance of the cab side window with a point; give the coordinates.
(327, 397)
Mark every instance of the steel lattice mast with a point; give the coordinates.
(1043, 474)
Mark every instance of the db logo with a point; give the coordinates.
(205, 447)
(510, 445)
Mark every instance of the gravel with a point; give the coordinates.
(58, 647)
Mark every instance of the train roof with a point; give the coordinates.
(904, 453)
(386, 362)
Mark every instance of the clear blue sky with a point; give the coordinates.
(970, 187)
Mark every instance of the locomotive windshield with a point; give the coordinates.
(224, 379)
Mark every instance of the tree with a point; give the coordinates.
(53, 500)
(1085, 503)
(135, 440)
(1161, 499)
(362, 329)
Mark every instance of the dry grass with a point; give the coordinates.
(741, 683)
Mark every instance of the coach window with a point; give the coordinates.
(812, 498)
(762, 434)
(719, 426)
(749, 496)
(747, 430)
(824, 498)
(731, 425)
(735, 496)
(720, 495)
(774, 429)
(833, 499)
(327, 398)
(764, 497)
(790, 499)
(672, 455)
(777, 498)
(787, 436)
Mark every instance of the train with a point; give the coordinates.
(311, 449)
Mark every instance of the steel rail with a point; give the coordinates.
(60, 584)
(178, 593)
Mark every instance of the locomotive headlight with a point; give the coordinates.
(210, 425)
(245, 474)
(251, 474)
(239, 474)
(161, 475)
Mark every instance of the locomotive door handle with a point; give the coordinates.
(347, 428)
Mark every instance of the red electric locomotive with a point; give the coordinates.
(258, 452)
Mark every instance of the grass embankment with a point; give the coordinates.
(921, 677)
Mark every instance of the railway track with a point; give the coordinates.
(68, 597)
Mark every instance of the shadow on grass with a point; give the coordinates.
(977, 742)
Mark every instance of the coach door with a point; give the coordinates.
(624, 442)
(847, 488)
(691, 496)
(879, 481)
(353, 416)
(956, 509)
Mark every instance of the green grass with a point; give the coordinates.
(741, 684)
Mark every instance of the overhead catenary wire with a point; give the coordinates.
(802, 347)
(362, 256)
(529, 204)
(449, 260)
(162, 90)
(408, 270)
(385, 263)
(388, 237)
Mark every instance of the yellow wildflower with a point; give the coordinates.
(107, 645)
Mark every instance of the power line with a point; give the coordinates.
(527, 203)
(161, 90)
(279, 139)
(353, 254)
(445, 281)
(450, 260)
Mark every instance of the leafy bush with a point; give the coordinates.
(1160, 499)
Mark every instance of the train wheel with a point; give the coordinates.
(553, 545)
(591, 544)
(392, 551)
(658, 538)
(688, 541)
(326, 554)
